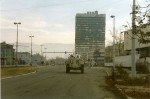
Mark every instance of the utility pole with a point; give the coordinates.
(45, 56)
(133, 65)
(41, 52)
(112, 16)
(16, 23)
(31, 49)
(5, 54)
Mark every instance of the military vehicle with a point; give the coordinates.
(74, 63)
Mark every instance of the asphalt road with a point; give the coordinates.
(51, 82)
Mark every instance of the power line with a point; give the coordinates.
(44, 6)
(112, 3)
(58, 4)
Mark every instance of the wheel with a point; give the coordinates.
(82, 69)
(67, 69)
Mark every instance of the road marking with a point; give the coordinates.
(19, 75)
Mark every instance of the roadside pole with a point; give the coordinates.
(133, 65)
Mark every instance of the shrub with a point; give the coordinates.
(109, 81)
(142, 68)
(135, 81)
(121, 73)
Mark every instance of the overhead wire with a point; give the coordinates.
(112, 3)
(43, 6)
(58, 4)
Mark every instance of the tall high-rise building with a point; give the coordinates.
(90, 36)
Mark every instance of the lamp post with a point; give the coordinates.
(31, 49)
(41, 52)
(113, 68)
(45, 55)
(16, 23)
(112, 16)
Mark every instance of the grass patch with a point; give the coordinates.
(122, 78)
(139, 95)
(13, 71)
(142, 68)
(135, 82)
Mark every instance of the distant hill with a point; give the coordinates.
(51, 47)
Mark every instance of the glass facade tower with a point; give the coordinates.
(90, 36)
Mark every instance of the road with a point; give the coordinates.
(51, 82)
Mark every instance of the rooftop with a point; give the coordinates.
(90, 14)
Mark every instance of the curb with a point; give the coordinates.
(102, 69)
(106, 72)
(119, 88)
(18, 75)
(123, 93)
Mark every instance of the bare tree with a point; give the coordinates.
(119, 46)
(119, 39)
(142, 21)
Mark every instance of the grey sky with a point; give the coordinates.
(53, 21)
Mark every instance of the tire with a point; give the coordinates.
(67, 69)
(82, 69)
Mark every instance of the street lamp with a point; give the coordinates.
(16, 23)
(45, 55)
(112, 16)
(41, 52)
(31, 49)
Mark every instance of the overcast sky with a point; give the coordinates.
(53, 21)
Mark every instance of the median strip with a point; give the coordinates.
(10, 72)
(18, 75)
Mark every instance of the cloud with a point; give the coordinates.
(44, 25)
(111, 10)
(42, 31)
(56, 25)
(40, 24)
(57, 37)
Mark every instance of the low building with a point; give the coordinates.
(142, 49)
(24, 58)
(119, 51)
(7, 54)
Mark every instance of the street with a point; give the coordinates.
(51, 82)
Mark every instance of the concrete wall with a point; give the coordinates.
(127, 39)
(147, 59)
(108, 64)
(125, 61)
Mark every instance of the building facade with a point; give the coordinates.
(90, 36)
(24, 58)
(142, 49)
(7, 54)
